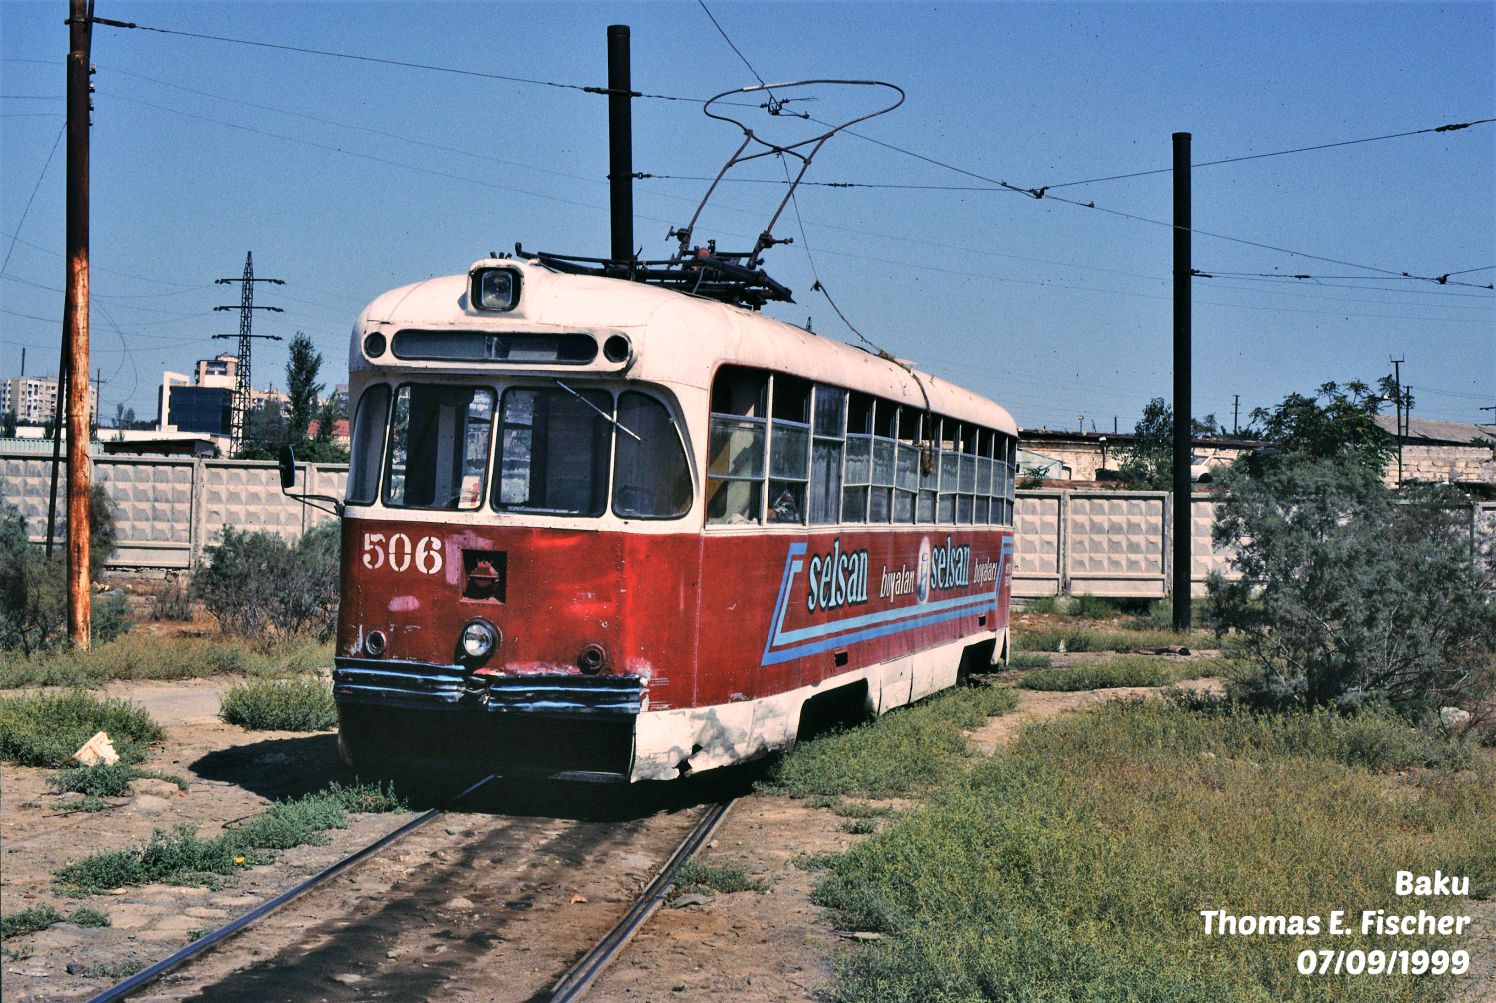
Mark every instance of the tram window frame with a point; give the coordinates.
(739, 409)
(949, 472)
(457, 471)
(660, 482)
(858, 465)
(789, 449)
(885, 444)
(906, 466)
(827, 454)
(366, 446)
(599, 484)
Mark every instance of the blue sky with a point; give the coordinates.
(346, 178)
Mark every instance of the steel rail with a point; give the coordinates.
(579, 978)
(160, 968)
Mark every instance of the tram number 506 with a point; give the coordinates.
(425, 553)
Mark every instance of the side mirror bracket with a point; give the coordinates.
(288, 481)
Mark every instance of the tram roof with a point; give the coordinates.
(678, 338)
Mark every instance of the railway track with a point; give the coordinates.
(571, 986)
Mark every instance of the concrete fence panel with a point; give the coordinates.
(153, 503)
(1114, 543)
(1037, 529)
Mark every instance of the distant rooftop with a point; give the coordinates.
(1428, 430)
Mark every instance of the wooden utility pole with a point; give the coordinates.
(75, 321)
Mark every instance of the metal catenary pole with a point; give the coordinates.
(75, 321)
(1182, 407)
(620, 144)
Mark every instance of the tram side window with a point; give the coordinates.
(929, 470)
(789, 449)
(859, 466)
(827, 444)
(368, 445)
(735, 470)
(438, 450)
(650, 477)
(985, 512)
(880, 493)
(554, 458)
(950, 470)
(906, 465)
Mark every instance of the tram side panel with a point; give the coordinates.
(784, 617)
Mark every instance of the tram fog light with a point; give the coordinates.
(374, 346)
(479, 639)
(375, 643)
(495, 288)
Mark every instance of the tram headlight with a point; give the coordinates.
(479, 638)
(495, 288)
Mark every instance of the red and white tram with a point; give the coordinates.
(601, 529)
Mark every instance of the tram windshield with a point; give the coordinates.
(438, 450)
(555, 448)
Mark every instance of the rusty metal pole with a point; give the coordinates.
(1183, 412)
(75, 322)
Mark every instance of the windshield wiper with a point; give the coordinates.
(606, 416)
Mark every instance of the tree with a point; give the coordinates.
(1351, 592)
(302, 369)
(8, 425)
(1335, 423)
(1149, 463)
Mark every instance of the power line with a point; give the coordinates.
(730, 45)
(1451, 127)
(35, 188)
(1043, 193)
(1211, 273)
(387, 62)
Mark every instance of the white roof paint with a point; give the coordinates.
(678, 339)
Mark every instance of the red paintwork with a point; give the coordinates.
(692, 611)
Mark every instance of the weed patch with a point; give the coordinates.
(183, 857)
(281, 705)
(106, 781)
(1028, 660)
(89, 917)
(138, 657)
(1063, 637)
(698, 876)
(46, 729)
(1073, 865)
(111, 969)
(907, 749)
(1125, 670)
(18, 924)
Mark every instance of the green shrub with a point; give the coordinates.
(46, 729)
(112, 969)
(1028, 660)
(33, 592)
(906, 749)
(256, 584)
(698, 876)
(183, 857)
(1351, 592)
(18, 924)
(1127, 670)
(304, 704)
(173, 602)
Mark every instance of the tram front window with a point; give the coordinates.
(438, 450)
(554, 451)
